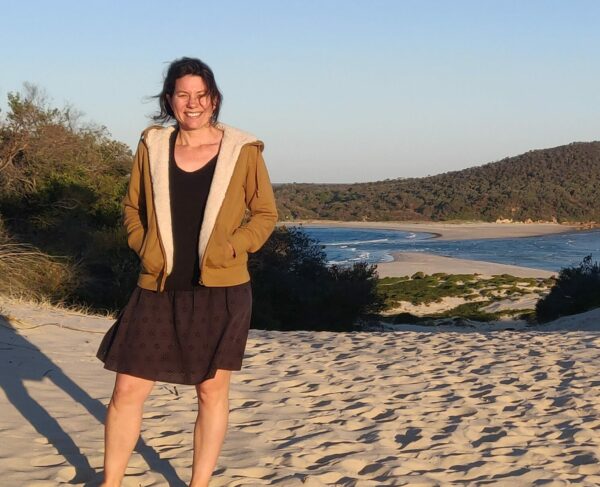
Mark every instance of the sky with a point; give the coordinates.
(339, 91)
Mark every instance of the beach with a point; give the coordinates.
(454, 231)
(408, 263)
(418, 407)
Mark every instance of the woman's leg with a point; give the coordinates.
(211, 426)
(123, 424)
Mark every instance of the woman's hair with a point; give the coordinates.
(177, 69)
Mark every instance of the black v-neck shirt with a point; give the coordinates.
(189, 192)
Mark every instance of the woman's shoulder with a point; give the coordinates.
(238, 136)
(152, 129)
(156, 133)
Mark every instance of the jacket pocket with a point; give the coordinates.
(220, 254)
(241, 255)
(149, 254)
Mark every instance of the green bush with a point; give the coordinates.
(293, 288)
(577, 289)
(61, 186)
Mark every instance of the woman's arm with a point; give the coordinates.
(261, 202)
(134, 202)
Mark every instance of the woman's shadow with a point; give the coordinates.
(16, 351)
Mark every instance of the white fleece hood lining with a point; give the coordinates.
(157, 141)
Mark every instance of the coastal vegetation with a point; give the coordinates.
(557, 184)
(577, 290)
(422, 298)
(61, 236)
(295, 289)
(61, 184)
(30, 274)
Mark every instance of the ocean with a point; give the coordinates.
(343, 246)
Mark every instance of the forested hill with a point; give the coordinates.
(561, 183)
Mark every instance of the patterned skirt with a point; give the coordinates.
(177, 336)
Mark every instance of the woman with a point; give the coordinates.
(187, 320)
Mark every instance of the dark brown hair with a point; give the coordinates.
(177, 69)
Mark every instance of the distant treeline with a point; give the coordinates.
(541, 185)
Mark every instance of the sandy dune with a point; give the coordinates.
(418, 408)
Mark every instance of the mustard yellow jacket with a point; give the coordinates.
(240, 182)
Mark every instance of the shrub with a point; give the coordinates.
(293, 288)
(61, 186)
(577, 289)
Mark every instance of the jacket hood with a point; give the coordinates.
(156, 139)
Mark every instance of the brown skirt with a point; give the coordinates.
(181, 337)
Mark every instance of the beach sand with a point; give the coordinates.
(411, 407)
(407, 263)
(454, 231)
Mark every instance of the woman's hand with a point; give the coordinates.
(232, 250)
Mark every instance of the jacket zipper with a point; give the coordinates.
(200, 281)
(256, 181)
(163, 279)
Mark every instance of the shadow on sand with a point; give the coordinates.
(12, 377)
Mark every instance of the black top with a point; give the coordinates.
(189, 192)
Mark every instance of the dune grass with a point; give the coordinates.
(477, 292)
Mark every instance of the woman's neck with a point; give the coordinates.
(206, 135)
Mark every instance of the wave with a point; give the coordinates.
(357, 242)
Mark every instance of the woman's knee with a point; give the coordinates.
(130, 390)
(216, 388)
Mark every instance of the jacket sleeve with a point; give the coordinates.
(134, 203)
(261, 202)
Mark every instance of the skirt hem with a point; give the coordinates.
(162, 378)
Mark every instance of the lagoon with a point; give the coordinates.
(345, 245)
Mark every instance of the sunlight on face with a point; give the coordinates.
(191, 103)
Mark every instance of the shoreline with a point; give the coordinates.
(408, 263)
(455, 231)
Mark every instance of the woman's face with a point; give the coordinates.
(190, 102)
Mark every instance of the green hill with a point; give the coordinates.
(559, 184)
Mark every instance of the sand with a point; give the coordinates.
(411, 407)
(407, 263)
(455, 231)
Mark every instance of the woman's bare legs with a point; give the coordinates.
(211, 426)
(123, 424)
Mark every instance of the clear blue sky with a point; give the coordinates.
(340, 91)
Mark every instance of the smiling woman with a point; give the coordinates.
(188, 319)
(191, 104)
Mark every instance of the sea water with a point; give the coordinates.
(343, 246)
